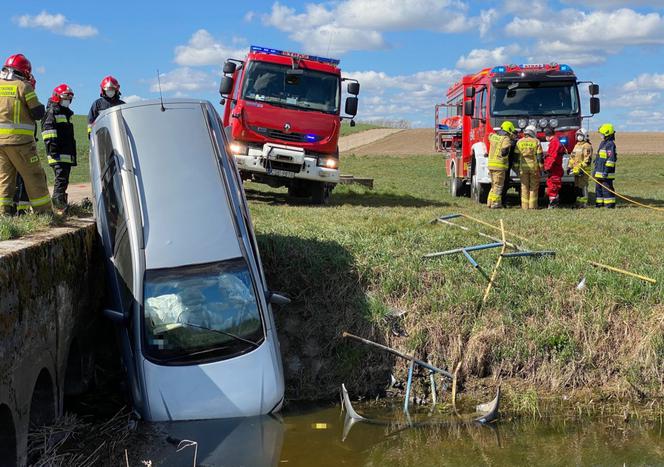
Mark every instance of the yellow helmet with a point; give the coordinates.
(508, 127)
(606, 129)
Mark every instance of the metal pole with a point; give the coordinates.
(528, 253)
(410, 382)
(482, 234)
(398, 354)
(470, 258)
(468, 248)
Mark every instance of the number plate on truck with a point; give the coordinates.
(282, 173)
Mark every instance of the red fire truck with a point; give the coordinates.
(283, 116)
(543, 95)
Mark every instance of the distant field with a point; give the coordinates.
(346, 129)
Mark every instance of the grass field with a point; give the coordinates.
(536, 327)
(346, 129)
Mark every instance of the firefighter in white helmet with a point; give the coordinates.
(529, 153)
(579, 164)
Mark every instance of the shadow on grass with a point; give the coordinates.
(327, 296)
(369, 199)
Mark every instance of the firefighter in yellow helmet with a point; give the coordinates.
(501, 145)
(19, 109)
(529, 152)
(580, 161)
(605, 168)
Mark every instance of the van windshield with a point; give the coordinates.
(309, 90)
(534, 98)
(201, 312)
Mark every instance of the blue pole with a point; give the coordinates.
(449, 216)
(470, 258)
(528, 253)
(410, 382)
(468, 248)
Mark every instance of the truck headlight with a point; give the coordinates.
(543, 123)
(523, 123)
(553, 123)
(238, 149)
(328, 162)
(532, 122)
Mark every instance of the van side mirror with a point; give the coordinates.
(593, 89)
(594, 105)
(277, 299)
(115, 316)
(351, 106)
(470, 92)
(469, 108)
(226, 86)
(229, 68)
(353, 88)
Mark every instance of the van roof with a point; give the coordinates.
(187, 218)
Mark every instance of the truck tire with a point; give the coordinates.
(479, 192)
(456, 184)
(320, 192)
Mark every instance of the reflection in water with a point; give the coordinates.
(312, 436)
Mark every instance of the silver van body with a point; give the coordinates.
(186, 284)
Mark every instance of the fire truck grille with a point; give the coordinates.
(282, 135)
(275, 165)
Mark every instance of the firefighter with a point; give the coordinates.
(529, 152)
(19, 110)
(58, 136)
(579, 162)
(553, 168)
(109, 97)
(605, 168)
(501, 146)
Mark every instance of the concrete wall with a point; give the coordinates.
(51, 290)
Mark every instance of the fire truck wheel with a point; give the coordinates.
(456, 184)
(298, 190)
(320, 193)
(479, 192)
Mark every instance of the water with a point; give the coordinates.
(315, 436)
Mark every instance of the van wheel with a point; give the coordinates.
(479, 192)
(320, 193)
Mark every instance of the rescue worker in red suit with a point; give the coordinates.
(109, 97)
(553, 167)
(58, 136)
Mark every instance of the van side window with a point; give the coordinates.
(105, 145)
(124, 270)
(113, 202)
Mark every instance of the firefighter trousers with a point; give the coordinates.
(530, 181)
(23, 159)
(604, 197)
(61, 171)
(581, 186)
(553, 185)
(21, 201)
(495, 198)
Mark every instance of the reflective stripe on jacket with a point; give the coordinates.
(17, 98)
(500, 146)
(605, 162)
(58, 134)
(529, 151)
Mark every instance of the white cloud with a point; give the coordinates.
(482, 58)
(184, 80)
(608, 4)
(531, 9)
(646, 81)
(645, 120)
(386, 96)
(41, 70)
(204, 49)
(57, 24)
(635, 99)
(132, 98)
(249, 16)
(487, 19)
(335, 28)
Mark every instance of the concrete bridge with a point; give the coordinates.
(51, 291)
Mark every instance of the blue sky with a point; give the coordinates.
(405, 52)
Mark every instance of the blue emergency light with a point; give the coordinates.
(565, 68)
(267, 50)
(498, 69)
(311, 138)
(563, 140)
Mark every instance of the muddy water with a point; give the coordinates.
(318, 436)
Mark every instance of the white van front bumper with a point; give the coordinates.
(286, 162)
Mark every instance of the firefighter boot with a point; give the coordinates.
(554, 202)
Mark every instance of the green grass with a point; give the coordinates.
(536, 325)
(346, 129)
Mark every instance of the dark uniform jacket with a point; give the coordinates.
(605, 163)
(100, 104)
(58, 134)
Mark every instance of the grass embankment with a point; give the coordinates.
(536, 328)
(24, 225)
(346, 129)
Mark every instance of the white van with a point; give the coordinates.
(186, 284)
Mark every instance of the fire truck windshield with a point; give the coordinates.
(534, 98)
(308, 90)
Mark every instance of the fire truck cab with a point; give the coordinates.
(543, 95)
(283, 116)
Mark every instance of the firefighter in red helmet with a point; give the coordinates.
(19, 110)
(58, 136)
(109, 97)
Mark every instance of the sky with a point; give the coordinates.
(405, 53)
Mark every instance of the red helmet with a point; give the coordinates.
(109, 83)
(21, 64)
(62, 92)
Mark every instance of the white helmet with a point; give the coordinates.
(583, 133)
(530, 130)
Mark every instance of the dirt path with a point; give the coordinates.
(356, 140)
